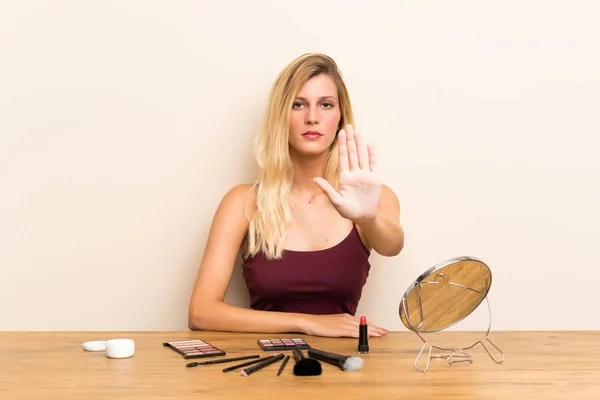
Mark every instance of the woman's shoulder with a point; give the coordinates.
(242, 189)
(241, 196)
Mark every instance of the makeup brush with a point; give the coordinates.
(271, 360)
(259, 360)
(283, 364)
(219, 361)
(346, 363)
(305, 366)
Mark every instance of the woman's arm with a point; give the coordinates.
(384, 232)
(362, 198)
(207, 309)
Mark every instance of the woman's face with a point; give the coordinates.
(315, 116)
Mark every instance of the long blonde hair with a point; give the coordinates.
(270, 222)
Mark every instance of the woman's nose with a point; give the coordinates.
(312, 116)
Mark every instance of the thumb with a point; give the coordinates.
(326, 187)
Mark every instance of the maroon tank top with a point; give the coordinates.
(328, 281)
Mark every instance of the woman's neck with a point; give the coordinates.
(305, 170)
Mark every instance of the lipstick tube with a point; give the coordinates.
(363, 336)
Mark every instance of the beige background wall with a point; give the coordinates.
(122, 124)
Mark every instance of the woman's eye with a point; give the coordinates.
(327, 105)
(296, 105)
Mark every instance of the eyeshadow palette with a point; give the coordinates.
(282, 344)
(197, 348)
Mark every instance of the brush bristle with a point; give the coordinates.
(353, 363)
(307, 367)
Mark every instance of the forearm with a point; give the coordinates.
(220, 316)
(385, 234)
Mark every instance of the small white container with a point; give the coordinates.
(115, 348)
(120, 348)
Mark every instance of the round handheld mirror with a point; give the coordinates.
(445, 294)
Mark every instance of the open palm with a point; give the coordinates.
(359, 192)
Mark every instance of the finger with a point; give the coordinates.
(343, 151)
(351, 144)
(361, 149)
(372, 159)
(379, 329)
(326, 187)
(376, 328)
(374, 332)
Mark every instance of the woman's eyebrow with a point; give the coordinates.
(320, 98)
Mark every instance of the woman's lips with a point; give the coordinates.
(312, 135)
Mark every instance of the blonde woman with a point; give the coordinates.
(306, 227)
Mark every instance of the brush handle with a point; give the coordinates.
(246, 364)
(297, 354)
(320, 353)
(285, 360)
(222, 360)
(330, 358)
(261, 365)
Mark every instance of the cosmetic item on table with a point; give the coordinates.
(272, 360)
(305, 366)
(196, 348)
(221, 360)
(363, 336)
(345, 363)
(114, 348)
(283, 364)
(282, 344)
(231, 368)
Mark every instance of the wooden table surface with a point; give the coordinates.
(538, 365)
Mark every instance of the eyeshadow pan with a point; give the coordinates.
(197, 348)
(280, 344)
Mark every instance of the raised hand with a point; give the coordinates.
(359, 192)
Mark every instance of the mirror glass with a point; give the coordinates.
(445, 294)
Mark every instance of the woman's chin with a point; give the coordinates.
(310, 151)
